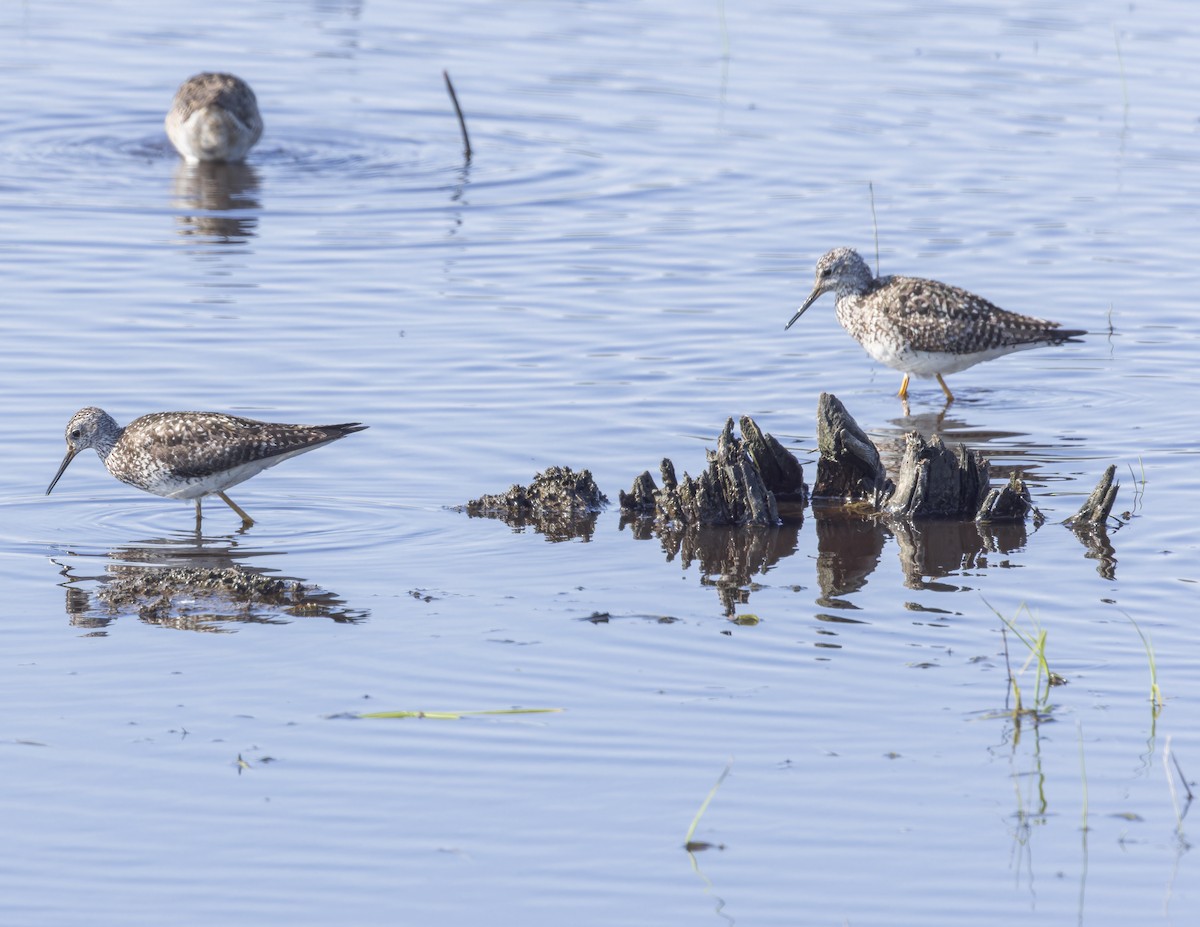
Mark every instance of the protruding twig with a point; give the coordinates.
(462, 123)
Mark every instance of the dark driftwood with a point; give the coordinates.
(849, 468)
(741, 485)
(1096, 509)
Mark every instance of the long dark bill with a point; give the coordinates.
(71, 452)
(812, 298)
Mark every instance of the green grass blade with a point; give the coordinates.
(687, 840)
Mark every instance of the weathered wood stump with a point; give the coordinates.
(1090, 523)
(1009, 503)
(740, 487)
(933, 481)
(937, 482)
(781, 472)
(849, 468)
(1096, 509)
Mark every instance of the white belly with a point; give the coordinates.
(931, 363)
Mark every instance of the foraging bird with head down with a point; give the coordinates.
(189, 455)
(214, 117)
(924, 328)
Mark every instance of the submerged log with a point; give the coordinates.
(849, 468)
(738, 487)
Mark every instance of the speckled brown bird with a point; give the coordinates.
(214, 117)
(923, 327)
(189, 455)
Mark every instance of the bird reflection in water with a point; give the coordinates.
(216, 201)
(728, 558)
(194, 586)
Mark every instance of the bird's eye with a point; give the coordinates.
(76, 433)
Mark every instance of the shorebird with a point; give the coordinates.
(214, 118)
(923, 327)
(189, 455)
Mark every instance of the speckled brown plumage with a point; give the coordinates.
(214, 117)
(188, 455)
(923, 327)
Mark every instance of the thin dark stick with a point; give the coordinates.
(1182, 778)
(874, 224)
(462, 123)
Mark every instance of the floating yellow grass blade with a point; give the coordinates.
(687, 840)
(456, 715)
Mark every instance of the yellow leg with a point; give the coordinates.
(903, 394)
(945, 388)
(247, 521)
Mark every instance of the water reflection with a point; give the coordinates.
(931, 550)
(952, 428)
(1098, 547)
(728, 558)
(219, 200)
(850, 545)
(196, 584)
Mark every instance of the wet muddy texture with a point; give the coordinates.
(743, 484)
(201, 599)
(560, 503)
